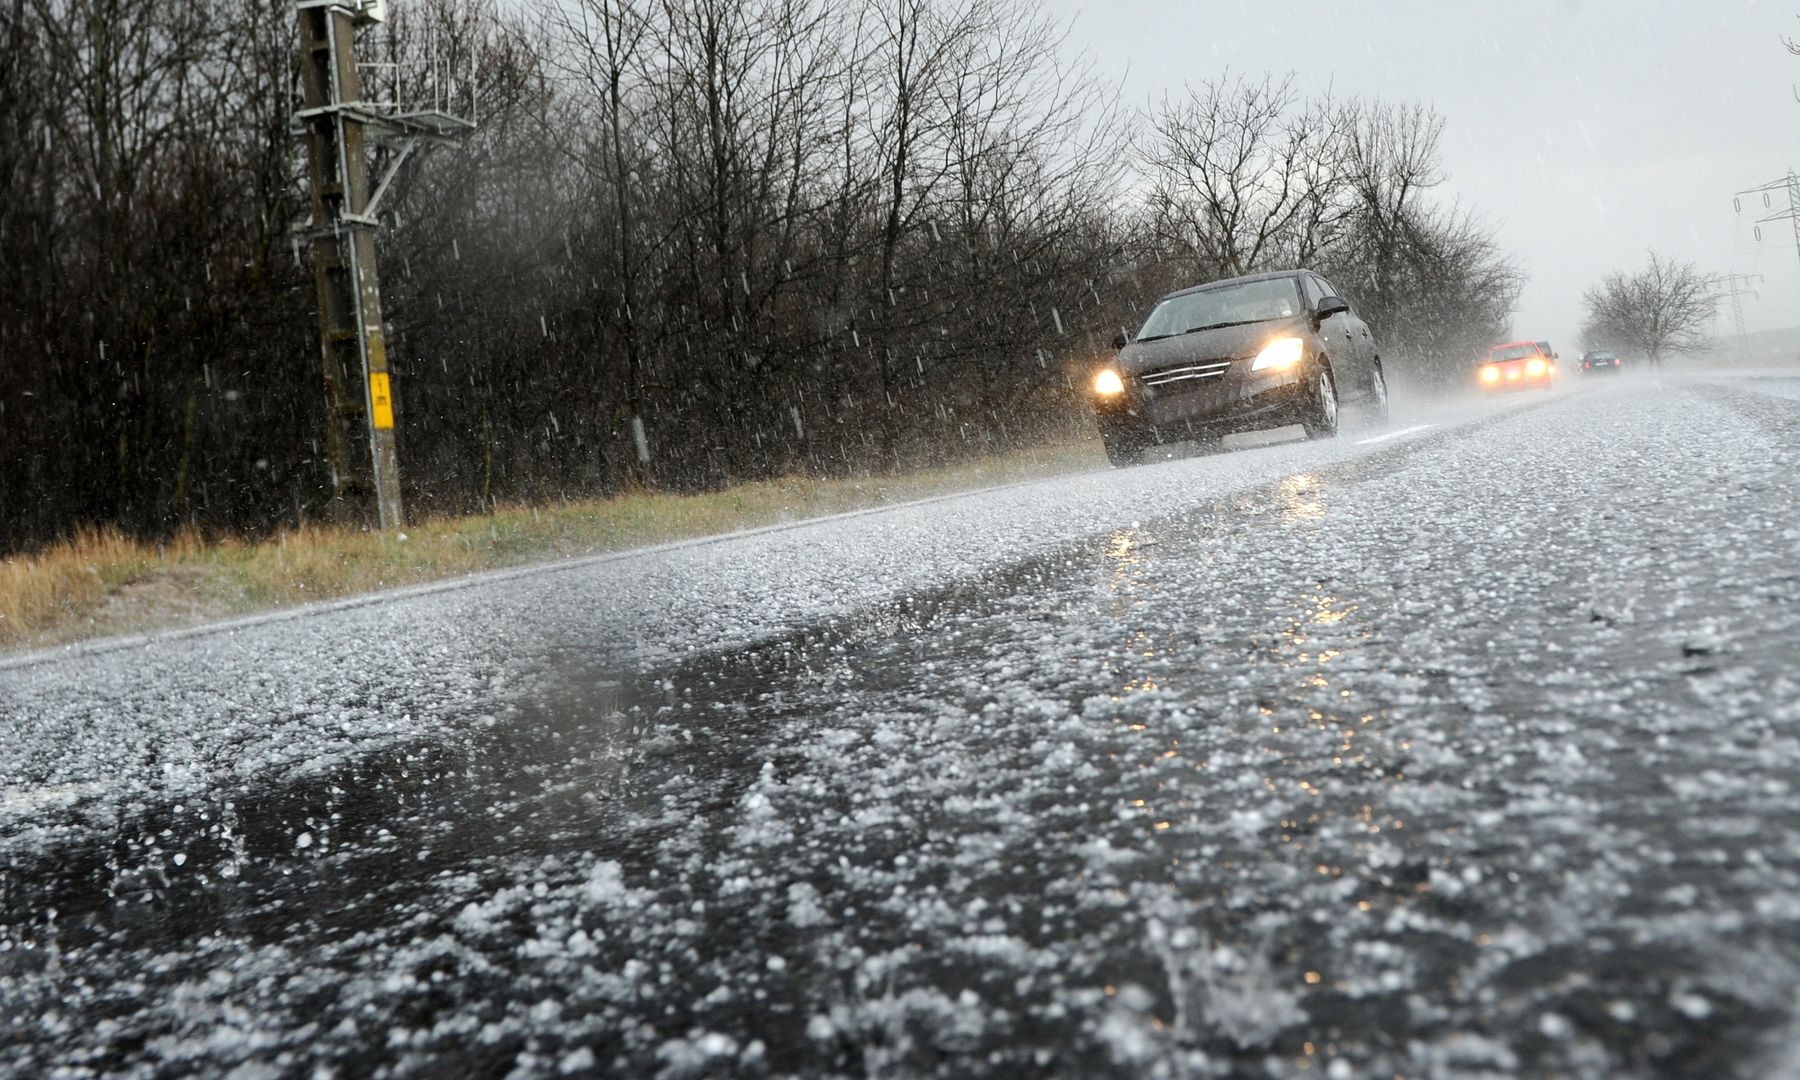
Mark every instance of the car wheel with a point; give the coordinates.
(1123, 450)
(1377, 410)
(1321, 420)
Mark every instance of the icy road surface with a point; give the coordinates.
(1470, 749)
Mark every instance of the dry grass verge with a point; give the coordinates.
(100, 583)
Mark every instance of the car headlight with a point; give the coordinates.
(1490, 374)
(1280, 353)
(1535, 367)
(1108, 383)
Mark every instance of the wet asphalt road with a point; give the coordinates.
(1469, 751)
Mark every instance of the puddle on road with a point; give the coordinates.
(256, 861)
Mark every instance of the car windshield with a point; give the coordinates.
(1227, 305)
(1513, 352)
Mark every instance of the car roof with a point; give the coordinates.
(1267, 276)
(1510, 344)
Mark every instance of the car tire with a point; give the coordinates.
(1376, 411)
(1123, 451)
(1321, 417)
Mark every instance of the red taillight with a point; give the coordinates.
(1617, 362)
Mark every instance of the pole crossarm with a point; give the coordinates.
(425, 125)
(1777, 184)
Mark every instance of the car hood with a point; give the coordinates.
(1225, 343)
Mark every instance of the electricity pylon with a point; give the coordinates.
(1731, 283)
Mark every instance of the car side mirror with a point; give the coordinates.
(1329, 306)
(1121, 339)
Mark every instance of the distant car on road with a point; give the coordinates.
(1518, 365)
(1252, 352)
(1601, 362)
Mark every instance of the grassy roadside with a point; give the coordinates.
(100, 583)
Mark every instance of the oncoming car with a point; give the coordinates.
(1517, 365)
(1261, 351)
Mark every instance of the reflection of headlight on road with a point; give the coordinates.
(1108, 383)
(1535, 367)
(1280, 353)
(1490, 374)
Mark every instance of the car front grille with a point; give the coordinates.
(1187, 373)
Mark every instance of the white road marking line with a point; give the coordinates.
(1395, 434)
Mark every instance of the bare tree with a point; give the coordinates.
(1442, 293)
(918, 46)
(1661, 309)
(1244, 175)
(1431, 277)
(1393, 161)
(598, 46)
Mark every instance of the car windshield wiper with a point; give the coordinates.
(1221, 325)
(1197, 329)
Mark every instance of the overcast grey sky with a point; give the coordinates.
(1585, 131)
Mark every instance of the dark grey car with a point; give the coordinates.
(1601, 362)
(1261, 351)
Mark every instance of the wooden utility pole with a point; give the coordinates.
(359, 391)
(339, 127)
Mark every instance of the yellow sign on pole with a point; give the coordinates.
(381, 401)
